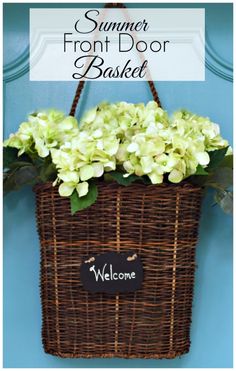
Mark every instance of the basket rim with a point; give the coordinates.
(185, 184)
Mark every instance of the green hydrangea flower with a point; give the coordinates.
(43, 131)
(140, 139)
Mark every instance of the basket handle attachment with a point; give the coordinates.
(82, 82)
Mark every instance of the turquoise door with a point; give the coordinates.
(212, 311)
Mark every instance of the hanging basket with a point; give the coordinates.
(160, 224)
(156, 223)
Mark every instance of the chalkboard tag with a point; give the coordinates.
(112, 272)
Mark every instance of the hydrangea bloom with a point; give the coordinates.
(140, 139)
(42, 132)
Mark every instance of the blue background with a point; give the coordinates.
(212, 310)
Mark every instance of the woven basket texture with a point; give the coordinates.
(160, 223)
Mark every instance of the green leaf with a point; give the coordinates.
(222, 178)
(216, 157)
(9, 156)
(145, 179)
(126, 181)
(199, 180)
(79, 203)
(19, 177)
(118, 177)
(48, 172)
(11, 160)
(227, 162)
(4, 176)
(9, 183)
(225, 200)
(200, 170)
(26, 175)
(37, 161)
(107, 177)
(18, 164)
(121, 180)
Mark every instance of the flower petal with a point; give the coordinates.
(147, 164)
(132, 147)
(203, 158)
(86, 172)
(82, 189)
(110, 165)
(175, 176)
(155, 178)
(69, 176)
(66, 189)
(98, 169)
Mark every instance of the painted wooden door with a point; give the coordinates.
(212, 312)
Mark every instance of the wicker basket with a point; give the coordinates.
(158, 222)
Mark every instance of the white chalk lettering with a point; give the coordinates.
(98, 273)
(108, 274)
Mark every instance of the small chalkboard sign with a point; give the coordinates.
(112, 273)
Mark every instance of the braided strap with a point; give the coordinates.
(77, 97)
(82, 82)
